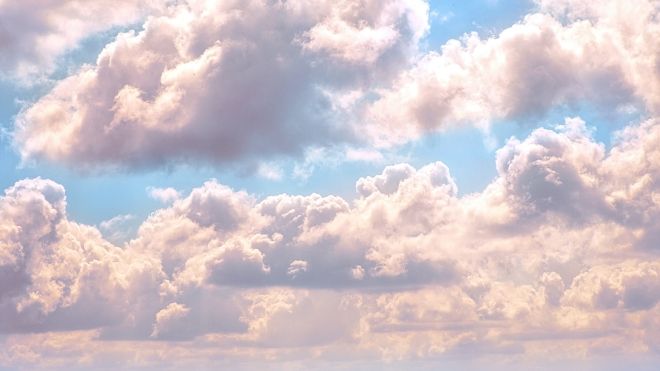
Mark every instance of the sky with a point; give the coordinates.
(354, 184)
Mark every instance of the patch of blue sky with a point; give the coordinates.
(451, 19)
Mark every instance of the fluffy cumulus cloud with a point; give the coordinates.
(571, 51)
(33, 33)
(558, 255)
(57, 274)
(239, 81)
(222, 81)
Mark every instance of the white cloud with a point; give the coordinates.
(348, 36)
(322, 73)
(34, 33)
(557, 257)
(164, 195)
(270, 171)
(366, 155)
(166, 320)
(604, 54)
(218, 82)
(561, 246)
(296, 268)
(62, 275)
(118, 229)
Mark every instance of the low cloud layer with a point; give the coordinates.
(558, 255)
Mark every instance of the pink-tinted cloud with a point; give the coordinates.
(226, 82)
(602, 52)
(221, 81)
(34, 33)
(557, 258)
(558, 254)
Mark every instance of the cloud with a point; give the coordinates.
(366, 155)
(34, 33)
(118, 229)
(556, 258)
(164, 195)
(221, 82)
(245, 82)
(602, 53)
(270, 172)
(60, 275)
(555, 171)
(168, 320)
(560, 250)
(345, 37)
(631, 285)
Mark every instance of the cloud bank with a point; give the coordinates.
(556, 259)
(558, 255)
